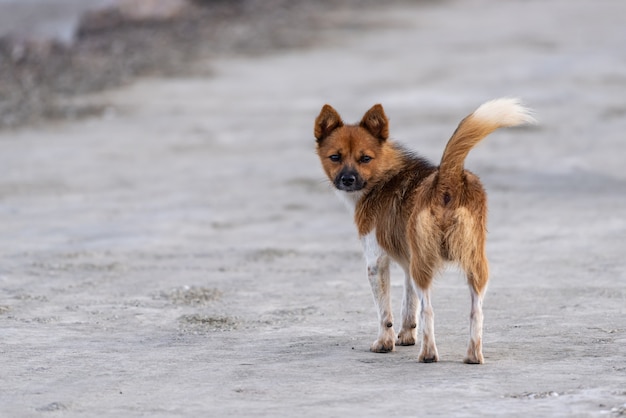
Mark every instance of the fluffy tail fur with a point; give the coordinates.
(499, 113)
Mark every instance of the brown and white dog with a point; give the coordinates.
(416, 213)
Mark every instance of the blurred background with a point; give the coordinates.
(60, 48)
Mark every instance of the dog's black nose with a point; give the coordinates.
(348, 179)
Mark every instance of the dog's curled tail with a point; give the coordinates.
(498, 113)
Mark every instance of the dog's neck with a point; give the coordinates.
(350, 199)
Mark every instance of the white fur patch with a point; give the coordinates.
(504, 112)
(476, 317)
(371, 249)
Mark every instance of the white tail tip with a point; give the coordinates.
(505, 112)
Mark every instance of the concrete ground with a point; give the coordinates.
(183, 255)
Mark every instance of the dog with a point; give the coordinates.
(415, 213)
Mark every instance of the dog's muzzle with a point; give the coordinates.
(349, 181)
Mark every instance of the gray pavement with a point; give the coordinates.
(184, 256)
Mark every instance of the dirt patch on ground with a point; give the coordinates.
(199, 324)
(192, 295)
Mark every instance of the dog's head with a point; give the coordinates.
(352, 155)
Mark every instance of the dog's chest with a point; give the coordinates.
(386, 223)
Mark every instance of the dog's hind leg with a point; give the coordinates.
(428, 352)
(475, 347)
(477, 276)
(378, 275)
(466, 242)
(425, 238)
(410, 303)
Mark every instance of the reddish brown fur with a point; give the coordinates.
(423, 215)
(355, 141)
(401, 189)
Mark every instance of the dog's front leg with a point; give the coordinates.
(378, 275)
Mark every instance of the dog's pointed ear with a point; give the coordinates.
(327, 121)
(375, 122)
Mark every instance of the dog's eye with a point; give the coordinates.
(335, 158)
(365, 159)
